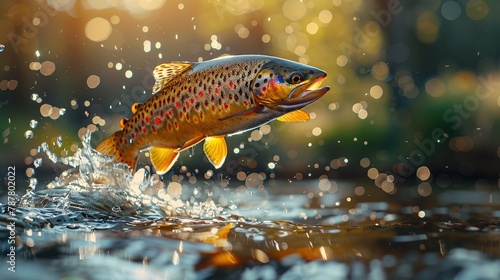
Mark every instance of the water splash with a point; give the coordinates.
(98, 182)
(28, 134)
(33, 124)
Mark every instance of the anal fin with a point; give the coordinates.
(163, 158)
(295, 116)
(216, 150)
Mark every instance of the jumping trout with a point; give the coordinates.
(208, 100)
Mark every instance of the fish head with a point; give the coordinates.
(286, 86)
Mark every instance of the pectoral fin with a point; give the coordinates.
(191, 143)
(255, 110)
(163, 159)
(216, 150)
(295, 116)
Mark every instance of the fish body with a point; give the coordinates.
(208, 100)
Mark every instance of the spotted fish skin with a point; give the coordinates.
(208, 100)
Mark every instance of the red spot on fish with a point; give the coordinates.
(201, 94)
(177, 104)
(169, 127)
(140, 139)
(181, 115)
(192, 100)
(230, 96)
(153, 128)
(201, 115)
(158, 121)
(213, 108)
(144, 129)
(263, 88)
(231, 85)
(226, 106)
(176, 125)
(245, 103)
(195, 120)
(187, 104)
(147, 119)
(216, 90)
(262, 95)
(132, 135)
(187, 117)
(170, 113)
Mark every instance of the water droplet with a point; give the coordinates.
(2, 48)
(34, 96)
(28, 134)
(59, 141)
(33, 183)
(116, 209)
(37, 162)
(62, 111)
(33, 123)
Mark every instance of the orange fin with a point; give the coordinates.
(248, 112)
(163, 159)
(191, 143)
(165, 72)
(216, 150)
(295, 116)
(109, 146)
(222, 233)
(135, 107)
(122, 123)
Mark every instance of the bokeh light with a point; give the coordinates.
(98, 29)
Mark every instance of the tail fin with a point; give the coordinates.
(110, 147)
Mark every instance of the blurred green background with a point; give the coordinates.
(415, 84)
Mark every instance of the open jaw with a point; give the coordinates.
(305, 94)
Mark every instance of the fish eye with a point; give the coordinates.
(296, 77)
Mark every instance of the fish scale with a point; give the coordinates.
(208, 100)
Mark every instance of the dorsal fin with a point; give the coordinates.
(165, 72)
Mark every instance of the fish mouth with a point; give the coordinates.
(305, 94)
